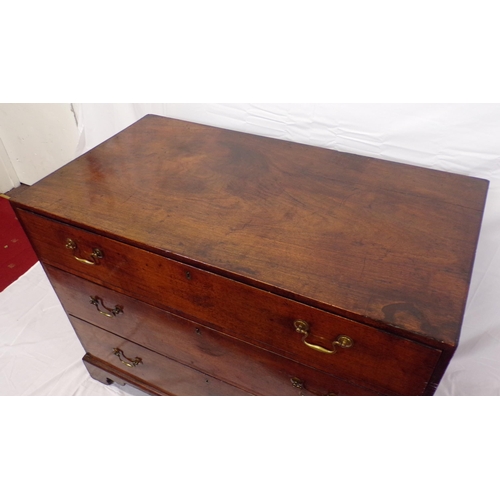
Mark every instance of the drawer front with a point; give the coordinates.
(166, 374)
(253, 369)
(375, 358)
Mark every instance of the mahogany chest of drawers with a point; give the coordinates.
(193, 260)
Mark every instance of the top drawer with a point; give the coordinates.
(300, 332)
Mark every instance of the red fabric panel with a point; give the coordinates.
(16, 253)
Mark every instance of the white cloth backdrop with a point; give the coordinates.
(461, 138)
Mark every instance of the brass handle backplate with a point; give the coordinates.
(296, 382)
(299, 384)
(343, 341)
(129, 362)
(111, 313)
(95, 255)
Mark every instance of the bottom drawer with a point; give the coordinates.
(141, 363)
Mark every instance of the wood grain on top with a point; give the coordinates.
(377, 241)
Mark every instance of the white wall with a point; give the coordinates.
(37, 139)
(8, 176)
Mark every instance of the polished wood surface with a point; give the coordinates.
(366, 238)
(210, 245)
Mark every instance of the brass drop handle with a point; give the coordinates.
(95, 255)
(343, 341)
(111, 312)
(130, 362)
(299, 384)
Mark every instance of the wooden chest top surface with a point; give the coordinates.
(384, 243)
